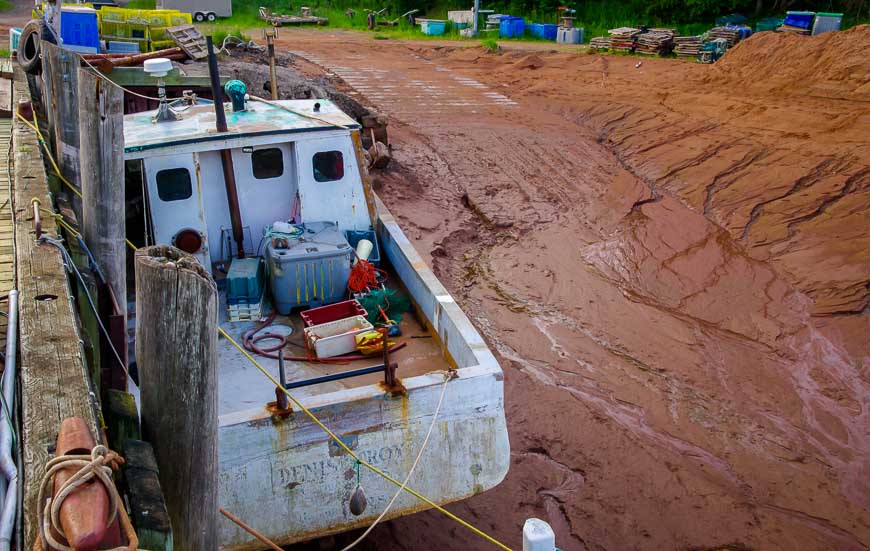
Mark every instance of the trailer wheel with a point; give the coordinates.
(199, 17)
(211, 17)
(29, 47)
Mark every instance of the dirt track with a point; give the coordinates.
(670, 261)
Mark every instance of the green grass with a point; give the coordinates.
(141, 5)
(489, 44)
(6, 5)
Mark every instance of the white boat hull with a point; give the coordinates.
(288, 480)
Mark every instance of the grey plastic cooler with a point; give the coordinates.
(312, 271)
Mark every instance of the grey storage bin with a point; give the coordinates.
(312, 271)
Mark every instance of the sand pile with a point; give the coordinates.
(831, 64)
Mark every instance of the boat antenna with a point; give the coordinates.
(159, 68)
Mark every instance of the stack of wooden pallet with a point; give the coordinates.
(600, 43)
(655, 42)
(623, 38)
(730, 34)
(687, 46)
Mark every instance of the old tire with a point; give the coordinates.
(211, 17)
(29, 47)
(199, 17)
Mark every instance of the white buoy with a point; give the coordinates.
(364, 249)
(538, 536)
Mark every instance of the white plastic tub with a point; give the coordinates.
(336, 337)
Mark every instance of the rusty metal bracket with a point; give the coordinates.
(37, 220)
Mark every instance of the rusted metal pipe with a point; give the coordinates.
(37, 221)
(282, 378)
(226, 154)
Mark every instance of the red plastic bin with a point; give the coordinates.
(333, 312)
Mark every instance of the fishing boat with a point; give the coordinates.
(284, 226)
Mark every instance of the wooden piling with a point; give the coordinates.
(176, 352)
(101, 159)
(60, 71)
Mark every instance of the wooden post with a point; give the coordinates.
(62, 67)
(176, 351)
(101, 134)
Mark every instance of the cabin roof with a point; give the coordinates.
(197, 123)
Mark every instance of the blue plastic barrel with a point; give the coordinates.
(550, 31)
(511, 27)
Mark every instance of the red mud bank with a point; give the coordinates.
(671, 262)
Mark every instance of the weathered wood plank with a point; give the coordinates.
(101, 132)
(176, 351)
(63, 65)
(54, 379)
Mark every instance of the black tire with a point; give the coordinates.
(29, 47)
(199, 17)
(211, 17)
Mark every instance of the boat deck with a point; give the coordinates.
(242, 387)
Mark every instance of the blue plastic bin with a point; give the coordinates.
(245, 281)
(353, 238)
(433, 28)
(535, 29)
(78, 27)
(511, 27)
(799, 19)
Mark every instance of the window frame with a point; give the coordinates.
(254, 168)
(315, 171)
(160, 194)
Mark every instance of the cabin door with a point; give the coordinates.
(266, 184)
(175, 201)
(330, 187)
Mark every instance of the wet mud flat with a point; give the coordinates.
(669, 260)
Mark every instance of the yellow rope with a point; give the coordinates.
(35, 127)
(352, 454)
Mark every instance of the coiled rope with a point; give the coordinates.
(98, 465)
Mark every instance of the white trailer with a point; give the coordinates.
(201, 10)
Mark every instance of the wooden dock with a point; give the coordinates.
(54, 379)
(7, 251)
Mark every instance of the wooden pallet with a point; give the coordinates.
(190, 40)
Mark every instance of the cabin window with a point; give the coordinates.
(267, 163)
(173, 184)
(328, 166)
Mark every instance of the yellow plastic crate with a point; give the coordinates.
(159, 33)
(118, 15)
(180, 18)
(161, 45)
(111, 28)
